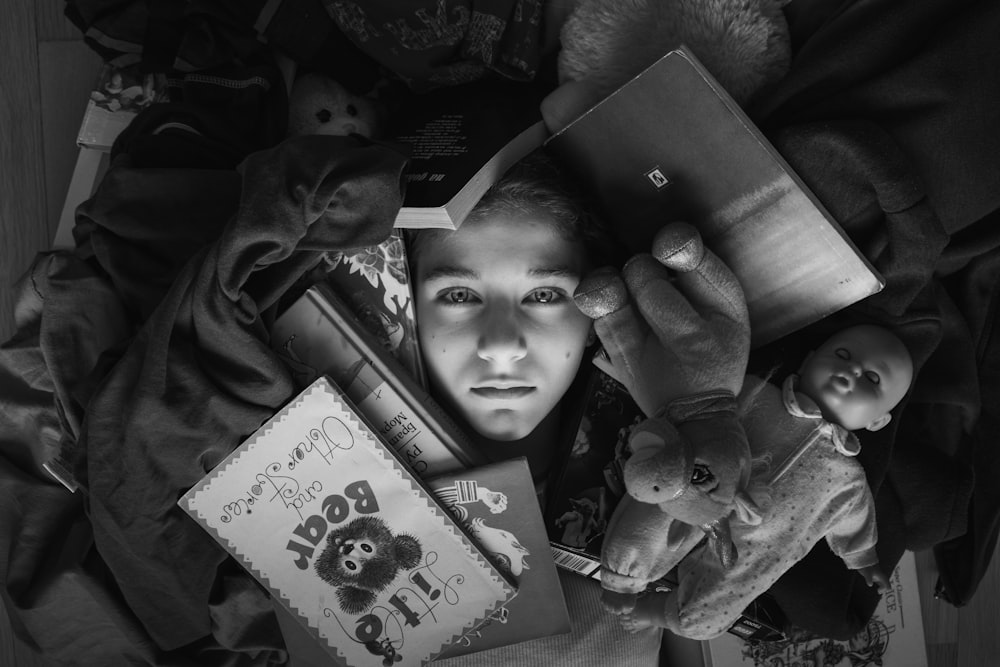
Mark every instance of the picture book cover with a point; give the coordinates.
(326, 517)
(319, 335)
(119, 94)
(671, 144)
(589, 483)
(498, 505)
(893, 637)
(375, 283)
(460, 140)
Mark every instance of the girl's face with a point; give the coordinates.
(499, 331)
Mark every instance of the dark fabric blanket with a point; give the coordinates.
(889, 115)
(147, 349)
(118, 570)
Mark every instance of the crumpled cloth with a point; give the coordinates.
(118, 572)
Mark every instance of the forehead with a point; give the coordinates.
(872, 340)
(501, 244)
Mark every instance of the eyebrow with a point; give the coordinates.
(461, 273)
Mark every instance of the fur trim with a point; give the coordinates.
(743, 43)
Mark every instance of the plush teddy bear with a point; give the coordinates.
(320, 105)
(745, 44)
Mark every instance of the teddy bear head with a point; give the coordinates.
(320, 105)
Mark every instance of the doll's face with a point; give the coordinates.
(498, 327)
(857, 375)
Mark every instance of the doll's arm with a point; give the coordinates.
(854, 534)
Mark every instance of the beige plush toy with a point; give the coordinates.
(743, 43)
(605, 43)
(320, 105)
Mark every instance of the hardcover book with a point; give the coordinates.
(326, 517)
(498, 505)
(893, 636)
(119, 94)
(375, 283)
(460, 140)
(320, 335)
(586, 488)
(671, 144)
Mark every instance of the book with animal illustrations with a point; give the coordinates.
(671, 144)
(345, 537)
(893, 636)
(319, 335)
(460, 140)
(375, 283)
(498, 505)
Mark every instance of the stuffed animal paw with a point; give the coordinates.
(679, 344)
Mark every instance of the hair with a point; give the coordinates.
(538, 186)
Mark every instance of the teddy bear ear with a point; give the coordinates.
(407, 550)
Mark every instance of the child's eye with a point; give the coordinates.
(873, 377)
(545, 295)
(842, 353)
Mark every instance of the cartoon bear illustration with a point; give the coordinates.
(362, 558)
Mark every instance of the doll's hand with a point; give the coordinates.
(874, 576)
(618, 603)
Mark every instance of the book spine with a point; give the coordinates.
(318, 335)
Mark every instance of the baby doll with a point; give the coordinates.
(810, 487)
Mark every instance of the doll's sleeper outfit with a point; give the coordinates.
(818, 490)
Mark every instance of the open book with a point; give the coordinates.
(671, 144)
(460, 141)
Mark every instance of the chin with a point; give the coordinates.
(502, 433)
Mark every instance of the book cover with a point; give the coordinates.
(672, 145)
(326, 517)
(498, 505)
(119, 94)
(589, 483)
(586, 488)
(375, 283)
(894, 637)
(319, 335)
(460, 140)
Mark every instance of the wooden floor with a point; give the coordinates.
(31, 191)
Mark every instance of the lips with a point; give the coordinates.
(506, 393)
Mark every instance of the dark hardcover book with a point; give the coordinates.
(586, 488)
(319, 334)
(460, 140)
(671, 144)
(321, 511)
(375, 283)
(498, 505)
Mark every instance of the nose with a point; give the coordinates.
(502, 339)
